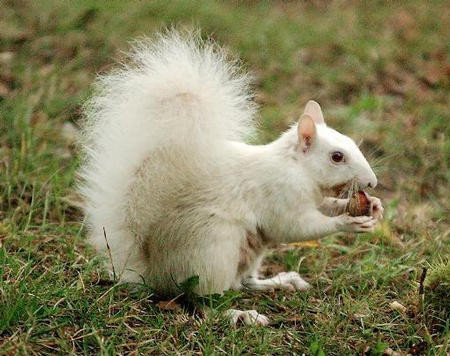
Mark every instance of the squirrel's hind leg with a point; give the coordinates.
(284, 280)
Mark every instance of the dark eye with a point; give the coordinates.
(337, 156)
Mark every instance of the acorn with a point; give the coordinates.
(359, 204)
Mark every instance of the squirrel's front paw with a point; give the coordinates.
(356, 223)
(377, 208)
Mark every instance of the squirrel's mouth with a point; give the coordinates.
(347, 189)
(338, 190)
(341, 190)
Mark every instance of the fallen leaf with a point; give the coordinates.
(6, 57)
(168, 305)
(391, 352)
(405, 25)
(433, 73)
(4, 90)
(360, 316)
(308, 243)
(397, 306)
(69, 132)
(294, 318)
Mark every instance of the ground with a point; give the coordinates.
(381, 72)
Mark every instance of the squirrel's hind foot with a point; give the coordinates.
(284, 280)
(246, 317)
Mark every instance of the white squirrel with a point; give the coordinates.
(168, 177)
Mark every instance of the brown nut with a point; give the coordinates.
(359, 204)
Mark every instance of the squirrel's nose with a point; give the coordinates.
(369, 181)
(372, 183)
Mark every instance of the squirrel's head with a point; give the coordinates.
(332, 159)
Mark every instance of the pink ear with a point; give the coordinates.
(306, 130)
(313, 109)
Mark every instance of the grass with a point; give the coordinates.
(380, 71)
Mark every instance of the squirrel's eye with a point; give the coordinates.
(337, 156)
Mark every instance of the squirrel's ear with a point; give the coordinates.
(306, 129)
(313, 109)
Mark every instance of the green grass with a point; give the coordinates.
(380, 71)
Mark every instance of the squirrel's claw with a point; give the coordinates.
(377, 208)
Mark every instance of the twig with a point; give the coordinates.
(110, 254)
(421, 291)
(422, 279)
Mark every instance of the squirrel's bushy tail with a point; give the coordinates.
(176, 90)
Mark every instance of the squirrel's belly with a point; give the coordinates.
(251, 250)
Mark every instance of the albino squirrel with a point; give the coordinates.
(170, 181)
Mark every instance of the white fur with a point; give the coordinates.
(169, 177)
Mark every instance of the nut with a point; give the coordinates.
(359, 204)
